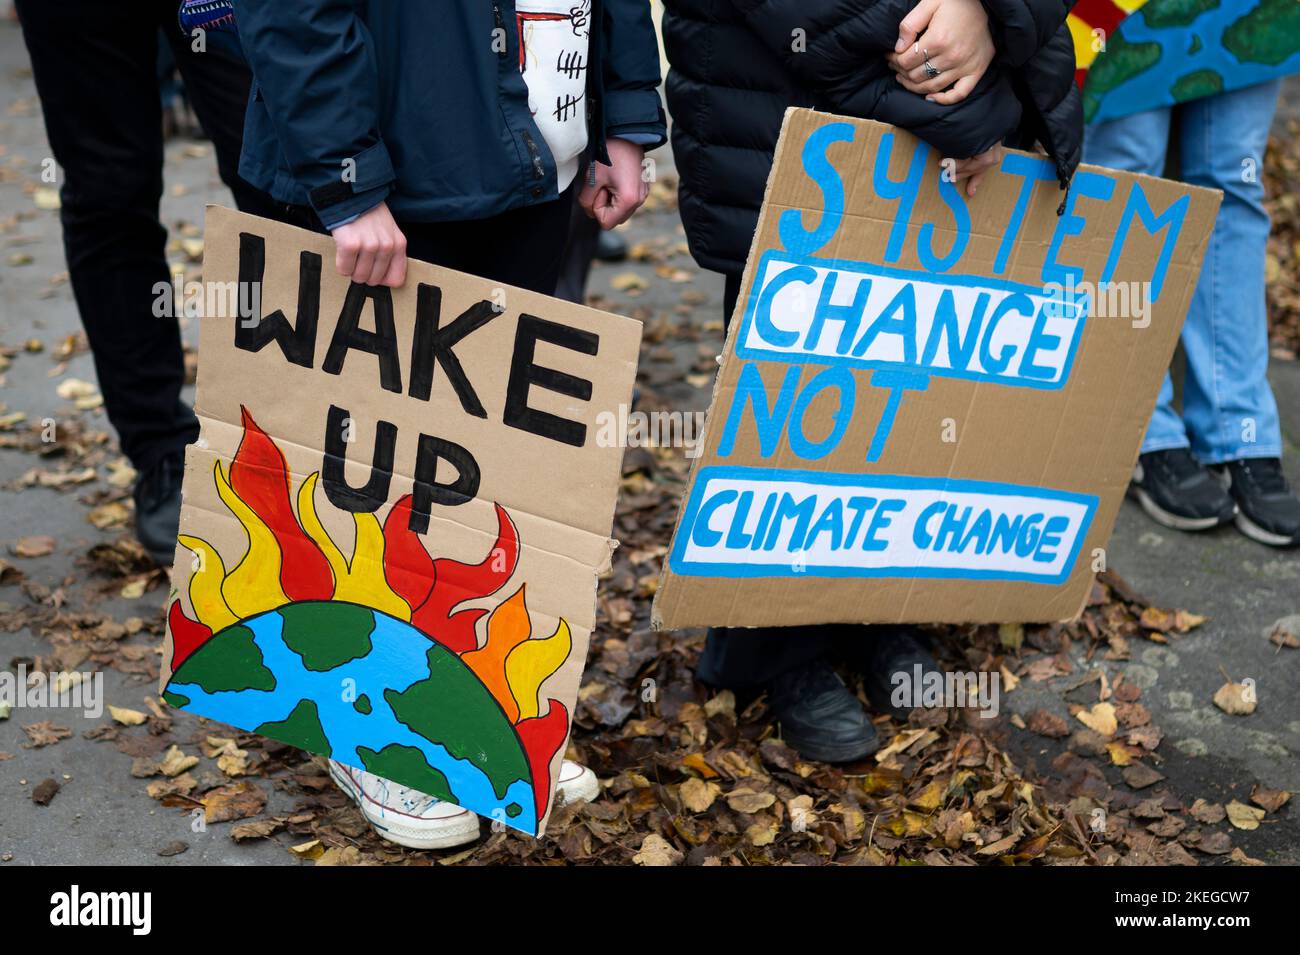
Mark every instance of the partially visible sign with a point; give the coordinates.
(929, 407)
(1137, 55)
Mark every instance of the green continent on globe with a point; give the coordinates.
(1174, 13)
(1269, 34)
(1121, 62)
(362, 704)
(408, 764)
(227, 662)
(452, 708)
(176, 700)
(301, 728)
(1195, 85)
(327, 634)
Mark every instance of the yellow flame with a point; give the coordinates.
(362, 581)
(254, 585)
(531, 662)
(507, 627)
(205, 585)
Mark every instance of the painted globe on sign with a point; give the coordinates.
(369, 690)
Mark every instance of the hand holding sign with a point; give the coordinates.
(371, 249)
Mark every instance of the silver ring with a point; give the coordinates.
(930, 69)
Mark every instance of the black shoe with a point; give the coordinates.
(1177, 491)
(610, 246)
(819, 716)
(158, 507)
(889, 655)
(1268, 510)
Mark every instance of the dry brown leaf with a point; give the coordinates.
(657, 851)
(698, 795)
(1236, 699)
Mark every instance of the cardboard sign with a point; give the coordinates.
(1137, 55)
(394, 516)
(929, 406)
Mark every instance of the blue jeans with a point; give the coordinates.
(1228, 407)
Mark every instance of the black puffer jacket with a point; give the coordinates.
(735, 67)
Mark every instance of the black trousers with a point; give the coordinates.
(96, 70)
(742, 657)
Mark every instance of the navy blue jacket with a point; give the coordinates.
(355, 102)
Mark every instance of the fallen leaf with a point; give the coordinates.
(1236, 699)
(657, 851)
(175, 762)
(235, 801)
(45, 791)
(1100, 719)
(1270, 800)
(698, 795)
(747, 800)
(127, 717)
(1243, 816)
(34, 547)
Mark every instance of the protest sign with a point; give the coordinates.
(394, 516)
(1138, 55)
(929, 406)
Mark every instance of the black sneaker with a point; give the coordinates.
(887, 655)
(819, 716)
(1268, 510)
(1178, 491)
(610, 246)
(158, 507)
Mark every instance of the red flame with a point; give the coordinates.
(187, 635)
(434, 588)
(260, 476)
(542, 737)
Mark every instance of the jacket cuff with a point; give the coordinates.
(361, 184)
(635, 111)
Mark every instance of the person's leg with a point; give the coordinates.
(1227, 402)
(1230, 409)
(1168, 482)
(1139, 143)
(98, 84)
(817, 713)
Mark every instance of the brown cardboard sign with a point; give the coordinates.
(929, 405)
(395, 516)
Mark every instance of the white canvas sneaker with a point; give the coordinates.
(577, 784)
(403, 815)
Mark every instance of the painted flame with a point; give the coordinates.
(289, 556)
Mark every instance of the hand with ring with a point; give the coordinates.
(943, 49)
